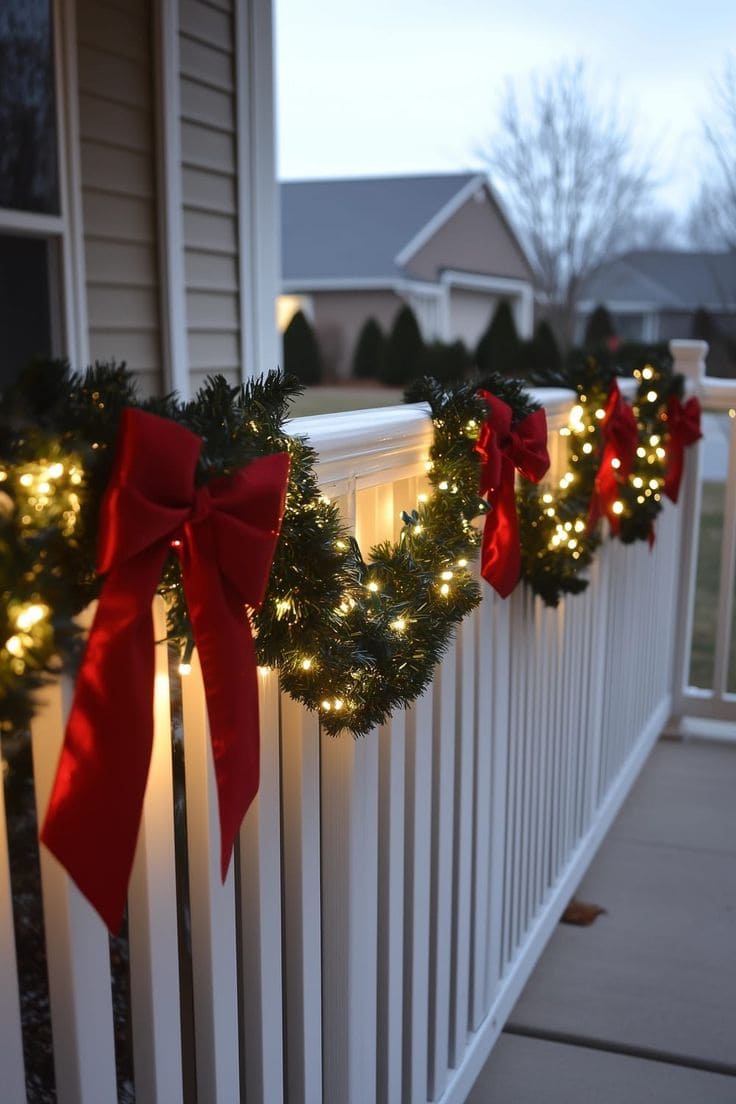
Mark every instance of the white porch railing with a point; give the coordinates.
(706, 599)
(390, 895)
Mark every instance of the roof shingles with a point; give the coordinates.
(354, 228)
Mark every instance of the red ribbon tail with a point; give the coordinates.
(229, 671)
(501, 554)
(93, 817)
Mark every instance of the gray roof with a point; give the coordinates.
(354, 228)
(666, 278)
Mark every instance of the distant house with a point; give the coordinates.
(653, 295)
(352, 249)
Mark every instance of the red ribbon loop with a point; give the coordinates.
(504, 450)
(620, 436)
(683, 424)
(225, 535)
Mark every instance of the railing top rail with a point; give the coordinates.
(718, 394)
(356, 438)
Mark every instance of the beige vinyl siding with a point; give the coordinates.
(475, 239)
(209, 189)
(119, 186)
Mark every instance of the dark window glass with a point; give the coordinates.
(28, 169)
(25, 313)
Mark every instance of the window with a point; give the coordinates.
(32, 226)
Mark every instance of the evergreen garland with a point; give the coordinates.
(353, 638)
(557, 541)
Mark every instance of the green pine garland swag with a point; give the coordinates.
(556, 541)
(353, 638)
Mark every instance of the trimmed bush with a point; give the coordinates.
(370, 351)
(498, 348)
(446, 361)
(404, 350)
(302, 357)
(599, 329)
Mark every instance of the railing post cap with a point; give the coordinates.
(689, 358)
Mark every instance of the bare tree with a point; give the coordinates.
(567, 170)
(712, 219)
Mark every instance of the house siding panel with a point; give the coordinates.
(117, 157)
(475, 239)
(209, 189)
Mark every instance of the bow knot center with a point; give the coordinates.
(201, 507)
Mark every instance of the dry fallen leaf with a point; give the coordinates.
(580, 913)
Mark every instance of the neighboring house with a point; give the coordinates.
(138, 201)
(653, 295)
(357, 248)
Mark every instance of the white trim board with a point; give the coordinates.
(172, 288)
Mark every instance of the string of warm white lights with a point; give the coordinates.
(352, 638)
(559, 530)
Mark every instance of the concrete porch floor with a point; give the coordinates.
(640, 1007)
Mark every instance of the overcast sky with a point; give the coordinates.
(413, 85)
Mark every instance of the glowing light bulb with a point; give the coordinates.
(443, 486)
(572, 543)
(587, 448)
(579, 525)
(564, 432)
(56, 471)
(462, 563)
(616, 463)
(326, 706)
(30, 616)
(654, 483)
(185, 669)
(638, 481)
(444, 590)
(339, 703)
(661, 453)
(446, 575)
(641, 452)
(550, 512)
(576, 414)
(306, 665)
(648, 373)
(546, 498)
(600, 414)
(654, 439)
(372, 586)
(26, 479)
(618, 507)
(423, 498)
(398, 625)
(14, 645)
(652, 396)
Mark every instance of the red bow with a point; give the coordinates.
(503, 451)
(683, 424)
(621, 437)
(225, 535)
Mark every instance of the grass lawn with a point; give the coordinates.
(336, 398)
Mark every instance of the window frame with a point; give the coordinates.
(62, 232)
